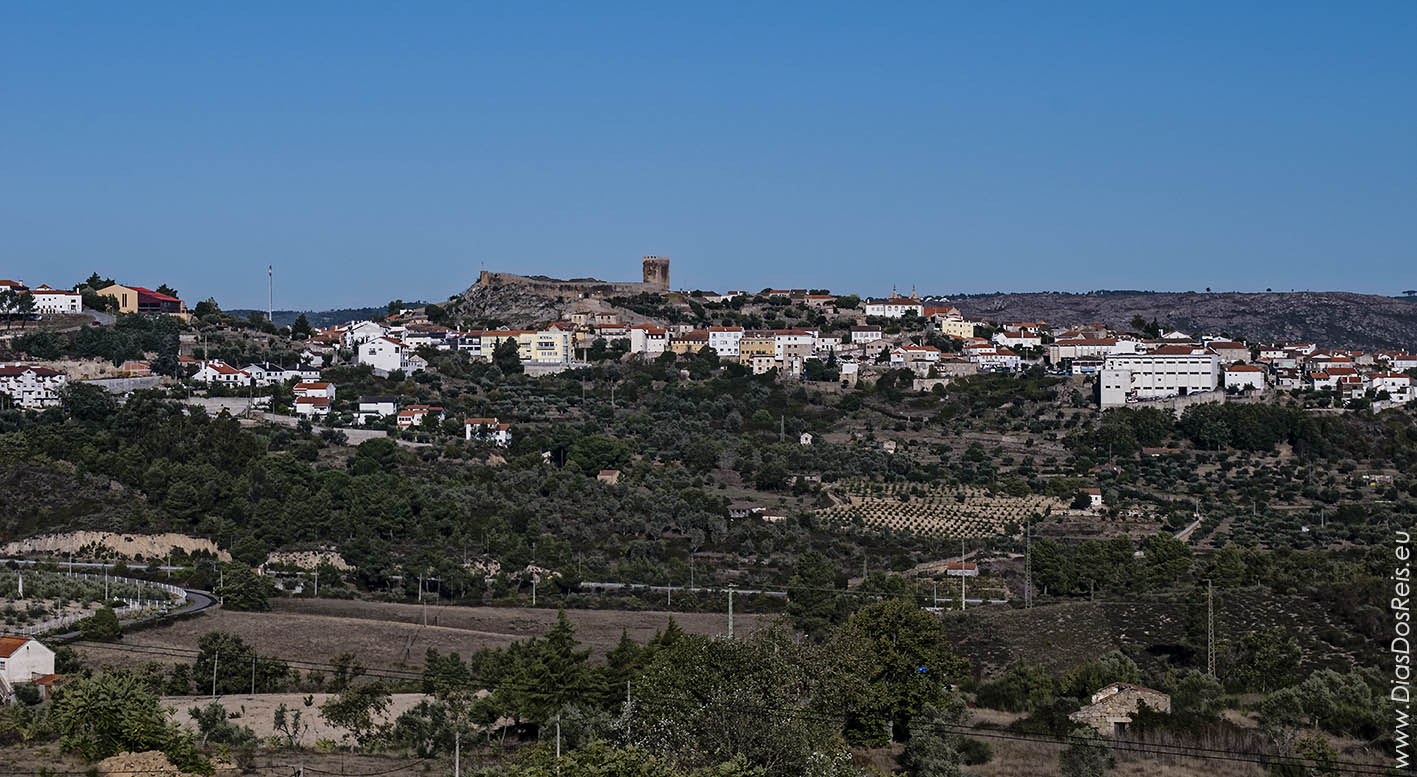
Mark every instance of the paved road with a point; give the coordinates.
(197, 601)
(352, 434)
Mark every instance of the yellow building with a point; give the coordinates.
(136, 299)
(756, 343)
(957, 327)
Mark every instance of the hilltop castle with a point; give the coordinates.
(654, 273)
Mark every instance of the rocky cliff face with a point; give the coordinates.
(514, 306)
(1329, 318)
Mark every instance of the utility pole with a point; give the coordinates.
(730, 611)
(216, 659)
(457, 752)
(534, 580)
(558, 743)
(253, 674)
(962, 576)
(1209, 628)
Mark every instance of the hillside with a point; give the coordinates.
(1333, 318)
(321, 318)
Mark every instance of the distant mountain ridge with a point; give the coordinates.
(323, 318)
(1336, 319)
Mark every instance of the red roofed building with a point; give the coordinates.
(23, 660)
(32, 387)
(488, 430)
(137, 299)
(1243, 377)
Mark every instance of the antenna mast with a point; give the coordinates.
(270, 294)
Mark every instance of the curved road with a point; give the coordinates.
(197, 599)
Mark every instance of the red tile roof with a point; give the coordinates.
(8, 645)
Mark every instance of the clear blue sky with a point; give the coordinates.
(380, 150)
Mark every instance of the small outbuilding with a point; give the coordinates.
(1113, 706)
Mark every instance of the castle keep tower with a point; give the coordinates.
(656, 272)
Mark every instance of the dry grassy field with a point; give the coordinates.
(393, 635)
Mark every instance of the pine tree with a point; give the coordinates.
(558, 673)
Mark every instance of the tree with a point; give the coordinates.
(243, 590)
(168, 290)
(558, 674)
(1263, 660)
(105, 714)
(507, 357)
(1167, 560)
(301, 328)
(227, 660)
(810, 598)
(1086, 754)
(24, 305)
(357, 710)
(912, 665)
(701, 702)
(90, 404)
(934, 746)
(102, 626)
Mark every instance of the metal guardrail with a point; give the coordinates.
(177, 599)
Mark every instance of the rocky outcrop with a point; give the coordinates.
(1330, 318)
(86, 545)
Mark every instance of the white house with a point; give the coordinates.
(265, 374)
(1171, 370)
(1018, 339)
(1228, 351)
(414, 415)
(362, 332)
(1396, 384)
(995, 359)
(218, 372)
(32, 387)
(1243, 377)
(791, 344)
(724, 340)
(865, 334)
(895, 307)
(648, 339)
(488, 430)
(908, 354)
(372, 408)
(385, 354)
(1322, 380)
(23, 660)
(1089, 348)
(1402, 361)
(313, 406)
(314, 389)
(1094, 498)
(52, 301)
